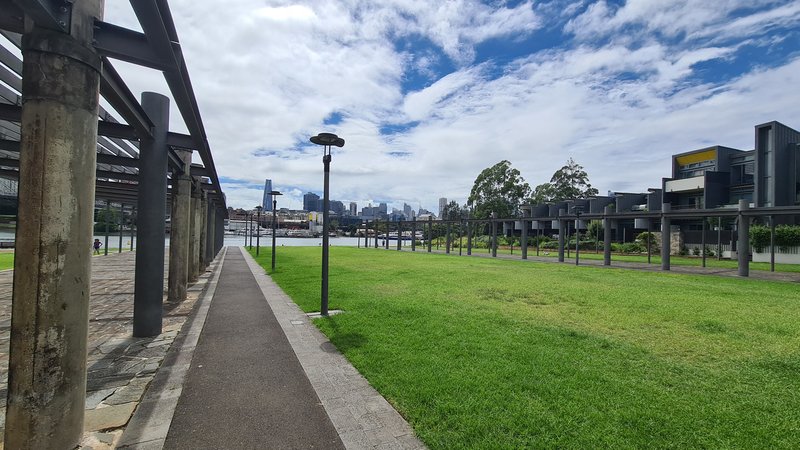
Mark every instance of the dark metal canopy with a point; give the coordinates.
(157, 48)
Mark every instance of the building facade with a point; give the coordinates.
(266, 201)
(311, 201)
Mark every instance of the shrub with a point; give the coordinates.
(787, 236)
(642, 239)
(759, 237)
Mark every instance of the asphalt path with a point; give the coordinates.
(246, 388)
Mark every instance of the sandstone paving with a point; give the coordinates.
(119, 366)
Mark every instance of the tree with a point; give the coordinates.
(453, 211)
(498, 189)
(567, 183)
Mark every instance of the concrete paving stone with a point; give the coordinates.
(95, 397)
(131, 392)
(156, 444)
(107, 418)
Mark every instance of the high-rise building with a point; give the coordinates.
(310, 202)
(407, 210)
(353, 209)
(442, 205)
(266, 201)
(383, 208)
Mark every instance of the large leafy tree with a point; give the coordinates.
(567, 183)
(500, 189)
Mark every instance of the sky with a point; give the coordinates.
(427, 93)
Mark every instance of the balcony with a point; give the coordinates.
(692, 184)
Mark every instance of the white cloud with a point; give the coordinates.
(267, 74)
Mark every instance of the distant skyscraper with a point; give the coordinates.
(310, 201)
(442, 205)
(407, 210)
(353, 209)
(266, 202)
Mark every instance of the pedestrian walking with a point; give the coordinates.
(96, 246)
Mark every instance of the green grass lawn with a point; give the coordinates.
(6, 260)
(481, 353)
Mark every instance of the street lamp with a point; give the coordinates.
(258, 228)
(326, 140)
(274, 195)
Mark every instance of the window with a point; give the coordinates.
(742, 173)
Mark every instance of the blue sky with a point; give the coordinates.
(429, 93)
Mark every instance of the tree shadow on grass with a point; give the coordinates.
(341, 340)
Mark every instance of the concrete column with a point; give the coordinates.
(607, 236)
(561, 233)
(52, 268)
(210, 232)
(666, 224)
(194, 246)
(201, 256)
(219, 228)
(743, 246)
(151, 204)
(524, 239)
(179, 233)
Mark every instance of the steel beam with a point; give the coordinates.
(55, 15)
(126, 45)
(114, 90)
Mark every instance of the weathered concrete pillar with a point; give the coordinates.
(210, 232)
(52, 268)
(607, 223)
(219, 228)
(561, 232)
(743, 246)
(194, 246)
(666, 225)
(201, 257)
(179, 232)
(151, 203)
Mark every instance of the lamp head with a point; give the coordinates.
(327, 139)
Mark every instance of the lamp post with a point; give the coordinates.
(326, 140)
(274, 195)
(258, 228)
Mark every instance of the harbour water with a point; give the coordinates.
(231, 240)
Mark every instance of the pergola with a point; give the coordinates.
(67, 150)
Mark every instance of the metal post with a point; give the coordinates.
(430, 233)
(447, 241)
(703, 242)
(607, 236)
(666, 224)
(106, 221)
(538, 237)
(771, 244)
(414, 234)
(275, 229)
(326, 160)
(399, 234)
(569, 232)
(52, 267)
(561, 231)
(649, 238)
(386, 236)
(524, 239)
(469, 238)
(121, 215)
(460, 236)
(133, 226)
(149, 283)
(719, 238)
(494, 235)
(258, 231)
(743, 246)
(375, 229)
(577, 238)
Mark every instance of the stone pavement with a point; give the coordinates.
(119, 366)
